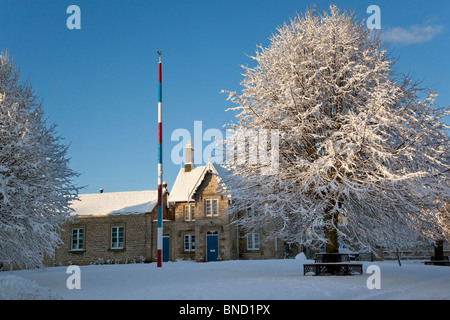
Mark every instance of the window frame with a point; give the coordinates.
(213, 205)
(189, 215)
(79, 240)
(116, 245)
(189, 245)
(253, 241)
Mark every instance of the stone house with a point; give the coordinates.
(111, 227)
(121, 227)
(202, 229)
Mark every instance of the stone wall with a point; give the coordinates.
(97, 240)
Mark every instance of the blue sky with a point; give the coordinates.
(99, 84)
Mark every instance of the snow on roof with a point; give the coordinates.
(115, 203)
(186, 183)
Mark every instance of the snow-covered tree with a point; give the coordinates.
(363, 152)
(35, 179)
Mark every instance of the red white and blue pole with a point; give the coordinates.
(160, 192)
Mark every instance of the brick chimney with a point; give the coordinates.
(189, 165)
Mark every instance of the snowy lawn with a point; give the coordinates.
(227, 280)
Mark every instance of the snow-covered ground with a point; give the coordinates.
(226, 280)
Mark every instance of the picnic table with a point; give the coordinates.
(332, 264)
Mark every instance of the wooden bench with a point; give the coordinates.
(332, 264)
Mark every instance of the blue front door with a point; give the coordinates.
(212, 245)
(165, 250)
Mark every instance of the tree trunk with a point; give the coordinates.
(439, 248)
(331, 234)
(397, 254)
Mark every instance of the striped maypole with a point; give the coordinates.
(160, 193)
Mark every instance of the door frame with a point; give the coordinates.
(212, 233)
(166, 249)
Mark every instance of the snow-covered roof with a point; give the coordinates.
(115, 203)
(186, 183)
